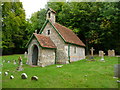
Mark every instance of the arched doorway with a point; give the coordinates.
(35, 55)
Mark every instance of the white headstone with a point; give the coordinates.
(25, 55)
(100, 53)
(34, 78)
(11, 77)
(14, 62)
(6, 73)
(24, 76)
(8, 61)
(102, 58)
(0, 73)
(3, 61)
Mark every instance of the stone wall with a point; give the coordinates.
(30, 50)
(60, 54)
(77, 54)
(47, 57)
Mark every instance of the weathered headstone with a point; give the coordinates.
(20, 68)
(100, 53)
(117, 70)
(19, 60)
(92, 51)
(25, 54)
(11, 77)
(102, 57)
(24, 76)
(14, 62)
(34, 78)
(3, 61)
(8, 61)
(6, 73)
(111, 52)
(27, 62)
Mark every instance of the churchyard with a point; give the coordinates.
(79, 74)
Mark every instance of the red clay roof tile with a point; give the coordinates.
(44, 41)
(68, 35)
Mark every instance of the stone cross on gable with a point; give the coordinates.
(92, 51)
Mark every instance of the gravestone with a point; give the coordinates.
(19, 60)
(11, 77)
(20, 68)
(3, 61)
(26, 61)
(24, 76)
(92, 51)
(102, 57)
(34, 78)
(100, 53)
(25, 55)
(111, 52)
(117, 70)
(14, 62)
(91, 57)
(6, 73)
(8, 61)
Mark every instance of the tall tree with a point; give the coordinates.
(13, 25)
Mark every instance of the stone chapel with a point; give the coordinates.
(54, 44)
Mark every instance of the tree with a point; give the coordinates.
(13, 25)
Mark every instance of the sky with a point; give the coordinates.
(32, 6)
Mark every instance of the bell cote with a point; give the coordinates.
(51, 15)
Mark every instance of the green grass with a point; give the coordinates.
(99, 74)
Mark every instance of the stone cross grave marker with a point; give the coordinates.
(92, 58)
(20, 68)
(92, 51)
(102, 59)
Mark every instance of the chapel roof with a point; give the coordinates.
(44, 41)
(68, 35)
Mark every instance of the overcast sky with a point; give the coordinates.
(32, 6)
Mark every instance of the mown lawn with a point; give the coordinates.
(98, 74)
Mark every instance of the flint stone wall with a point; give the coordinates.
(47, 57)
(60, 54)
(78, 55)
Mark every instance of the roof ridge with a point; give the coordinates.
(64, 26)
